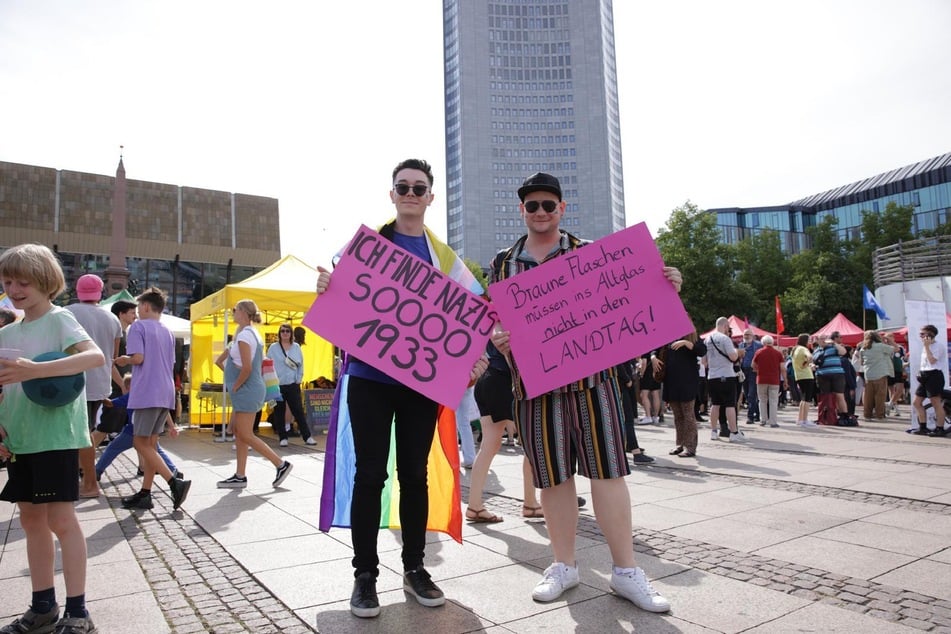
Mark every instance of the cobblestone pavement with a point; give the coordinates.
(923, 612)
(198, 585)
(201, 587)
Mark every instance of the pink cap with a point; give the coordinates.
(89, 288)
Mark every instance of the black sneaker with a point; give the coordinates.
(33, 622)
(939, 432)
(419, 584)
(179, 490)
(640, 458)
(234, 482)
(282, 473)
(141, 500)
(363, 601)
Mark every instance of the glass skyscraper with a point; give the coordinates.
(925, 186)
(531, 86)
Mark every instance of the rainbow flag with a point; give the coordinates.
(445, 510)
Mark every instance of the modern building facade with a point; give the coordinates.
(925, 185)
(189, 242)
(530, 86)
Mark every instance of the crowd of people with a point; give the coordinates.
(586, 428)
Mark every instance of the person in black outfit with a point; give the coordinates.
(679, 360)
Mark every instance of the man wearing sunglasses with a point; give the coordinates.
(376, 401)
(584, 417)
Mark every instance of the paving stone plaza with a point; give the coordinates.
(799, 530)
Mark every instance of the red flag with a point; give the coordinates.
(780, 326)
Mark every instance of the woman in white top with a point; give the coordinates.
(245, 387)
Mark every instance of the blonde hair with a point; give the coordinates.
(248, 306)
(35, 264)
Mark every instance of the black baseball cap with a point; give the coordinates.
(540, 181)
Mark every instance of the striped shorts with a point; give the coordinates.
(565, 432)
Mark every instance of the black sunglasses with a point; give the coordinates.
(284, 329)
(402, 189)
(548, 205)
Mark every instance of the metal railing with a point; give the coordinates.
(913, 259)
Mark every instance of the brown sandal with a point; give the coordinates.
(482, 516)
(532, 512)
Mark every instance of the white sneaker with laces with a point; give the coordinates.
(632, 584)
(558, 577)
(738, 437)
(714, 435)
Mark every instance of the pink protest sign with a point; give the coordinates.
(588, 310)
(404, 317)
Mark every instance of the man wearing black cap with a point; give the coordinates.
(576, 427)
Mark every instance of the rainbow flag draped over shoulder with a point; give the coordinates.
(445, 511)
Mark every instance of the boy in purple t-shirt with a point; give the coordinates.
(150, 349)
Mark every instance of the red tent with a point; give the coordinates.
(851, 334)
(737, 326)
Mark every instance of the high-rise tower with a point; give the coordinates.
(531, 86)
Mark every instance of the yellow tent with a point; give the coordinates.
(283, 292)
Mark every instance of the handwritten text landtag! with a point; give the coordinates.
(404, 317)
(588, 310)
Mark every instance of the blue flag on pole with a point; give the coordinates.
(868, 301)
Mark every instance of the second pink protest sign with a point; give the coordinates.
(588, 310)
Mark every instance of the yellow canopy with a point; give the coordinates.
(283, 292)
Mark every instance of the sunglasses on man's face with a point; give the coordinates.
(548, 205)
(418, 190)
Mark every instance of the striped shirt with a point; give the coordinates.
(514, 260)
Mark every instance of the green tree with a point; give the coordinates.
(881, 230)
(691, 242)
(764, 267)
(478, 272)
(825, 281)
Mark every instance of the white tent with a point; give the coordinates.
(181, 328)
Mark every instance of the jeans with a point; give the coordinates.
(121, 443)
(465, 414)
(290, 394)
(374, 409)
(749, 392)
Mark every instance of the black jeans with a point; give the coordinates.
(290, 394)
(374, 407)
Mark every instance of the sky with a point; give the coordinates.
(726, 103)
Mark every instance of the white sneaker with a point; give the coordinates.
(738, 437)
(646, 420)
(807, 423)
(558, 577)
(310, 441)
(283, 442)
(632, 584)
(714, 435)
